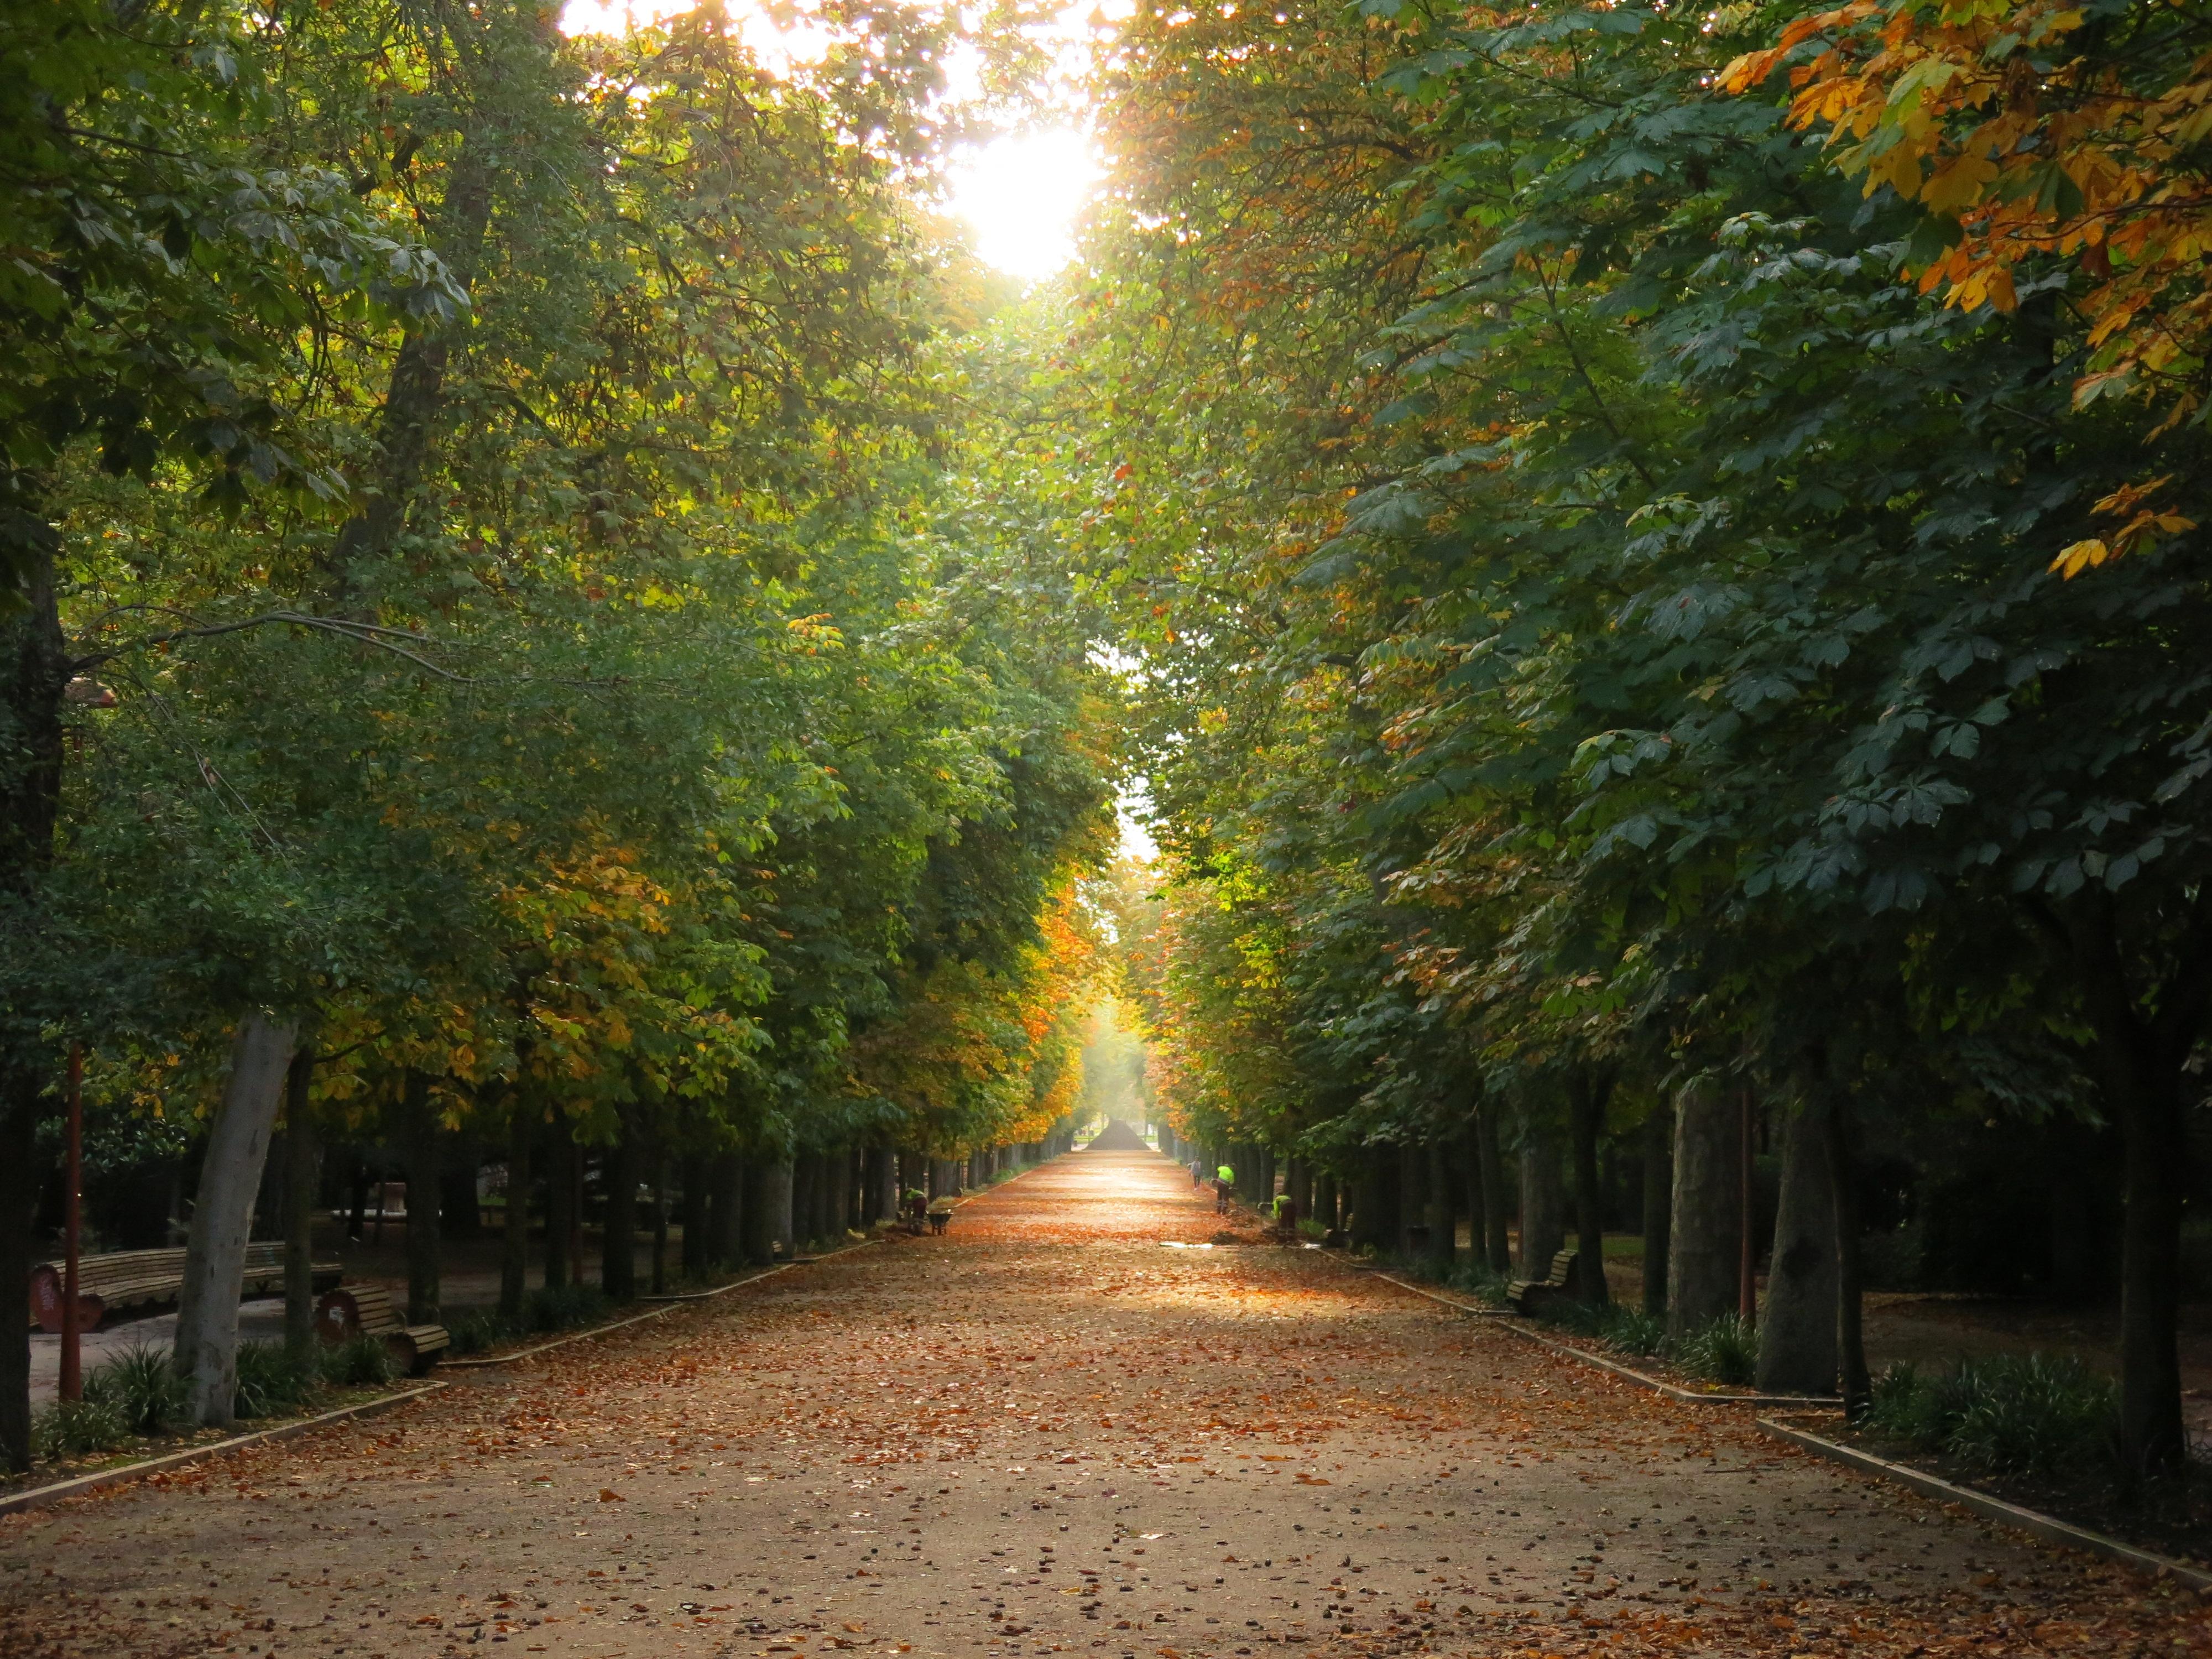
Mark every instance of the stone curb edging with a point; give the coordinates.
(1642, 1379)
(2049, 1528)
(669, 1305)
(38, 1498)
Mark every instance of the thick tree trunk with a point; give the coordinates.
(618, 1229)
(1443, 1213)
(776, 1202)
(515, 1256)
(223, 1216)
(1798, 1332)
(841, 1194)
(696, 1211)
(2151, 1438)
(1497, 1249)
(1658, 1202)
(1701, 1279)
(737, 1205)
(559, 1204)
(755, 1212)
(33, 673)
(425, 1194)
(1588, 1096)
(18, 1205)
(1414, 1183)
(1843, 1198)
(303, 1166)
(1543, 1201)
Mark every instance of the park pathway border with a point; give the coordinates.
(2049, 1528)
(1528, 1333)
(38, 1498)
(669, 1304)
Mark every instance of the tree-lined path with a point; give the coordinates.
(1047, 1432)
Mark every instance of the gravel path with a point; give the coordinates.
(1048, 1433)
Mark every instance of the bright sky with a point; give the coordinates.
(1021, 192)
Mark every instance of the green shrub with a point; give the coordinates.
(1311, 1228)
(1632, 1330)
(1477, 1279)
(2004, 1413)
(70, 1428)
(565, 1308)
(475, 1329)
(272, 1380)
(142, 1385)
(359, 1362)
(1726, 1351)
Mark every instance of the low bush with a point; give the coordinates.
(2005, 1413)
(1632, 1330)
(1726, 1351)
(476, 1329)
(359, 1362)
(565, 1307)
(273, 1380)
(72, 1428)
(142, 1385)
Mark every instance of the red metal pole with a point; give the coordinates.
(72, 1377)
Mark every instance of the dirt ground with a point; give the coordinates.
(1046, 1433)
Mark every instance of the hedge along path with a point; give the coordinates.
(1044, 1434)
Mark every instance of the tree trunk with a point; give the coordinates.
(696, 1211)
(1374, 1199)
(1414, 1183)
(223, 1216)
(660, 1224)
(618, 1228)
(514, 1257)
(775, 1199)
(1443, 1213)
(1798, 1332)
(1491, 1160)
(1658, 1201)
(1587, 1096)
(18, 1205)
(736, 1204)
(1843, 1198)
(560, 1205)
(425, 1191)
(1701, 1277)
(1543, 1201)
(302, 1171)
(757, 1217)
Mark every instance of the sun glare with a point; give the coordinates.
(1021, 193)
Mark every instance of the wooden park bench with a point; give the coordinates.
(347, 1311)
(1527, 1294)
(119, 1280)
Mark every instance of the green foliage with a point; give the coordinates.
(565, 1307)
(2038, 1414)
(273, 1380)
(358, 1362)
(1725, 1351)
(143, 1386)
(74, 1428)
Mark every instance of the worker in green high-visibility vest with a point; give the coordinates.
(1224, 1182)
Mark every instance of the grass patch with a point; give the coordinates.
(2039, 1414)
(359, 1362)
(142, 1385)
(1726, 1351)
(273, 1380)
(75, 1428)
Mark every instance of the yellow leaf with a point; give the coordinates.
(2080, 557)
